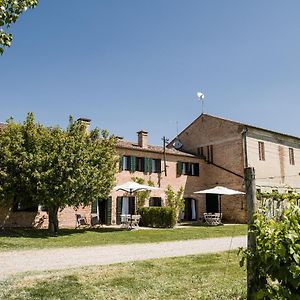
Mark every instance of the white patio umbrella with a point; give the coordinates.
(220, 190)
(132, 187)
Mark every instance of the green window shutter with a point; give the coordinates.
(146, 164)
(150, 164)
(179, 168)
(121, 163)
(151, 201)
(94, 207)
(132, 163)
(119, 210)
(108, 211)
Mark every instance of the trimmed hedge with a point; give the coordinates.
(162, 217)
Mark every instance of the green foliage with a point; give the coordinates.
(10, 10)
(55, 167)
(142, 195)
(162, 217)
(175, 200)
(277, 257)
(291, 196)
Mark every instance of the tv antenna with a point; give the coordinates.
(201, 98)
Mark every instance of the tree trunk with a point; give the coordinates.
(53, 220)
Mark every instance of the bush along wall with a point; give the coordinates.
(161, 217)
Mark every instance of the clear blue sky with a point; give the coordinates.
(137, 64)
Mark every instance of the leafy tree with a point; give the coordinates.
(142, 195)
(10, 10)
(175, 199)
(54, 167)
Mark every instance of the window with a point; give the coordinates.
(291, 156)
(156, 165)
(200, 151)
(186, 168)
(125, 163)
(194, 170)
(261, 151)
(155, 201)
(210, 156)
(140, 164)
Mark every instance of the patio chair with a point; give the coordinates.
(96, 221)
(81, 221)
(135, 219)
(125, 221)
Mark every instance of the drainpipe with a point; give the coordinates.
(244, 135)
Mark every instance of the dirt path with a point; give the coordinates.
(14, 262)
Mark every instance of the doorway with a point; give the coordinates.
(190, 209)
(101, 211)
(212, 203)
(125, 206)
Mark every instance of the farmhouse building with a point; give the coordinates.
(210, 151)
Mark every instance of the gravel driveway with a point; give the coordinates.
(14, 262)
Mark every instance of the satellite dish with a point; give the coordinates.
(177, 144)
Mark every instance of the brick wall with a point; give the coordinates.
(225, 137)
(276, 171)
(39, 219)
(189, 183)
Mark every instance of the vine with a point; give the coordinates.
(276, 259)
(142, 195)
(175, 199)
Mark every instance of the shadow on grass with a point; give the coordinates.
(44, 233)
(197, 224)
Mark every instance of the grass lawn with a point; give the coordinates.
(213, 276)
(18, 239)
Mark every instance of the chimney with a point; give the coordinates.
(86, 122)
(143, 138)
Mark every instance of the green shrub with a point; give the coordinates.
(162, 217)
(175, 199)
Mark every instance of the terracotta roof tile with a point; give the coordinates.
(158, 149)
